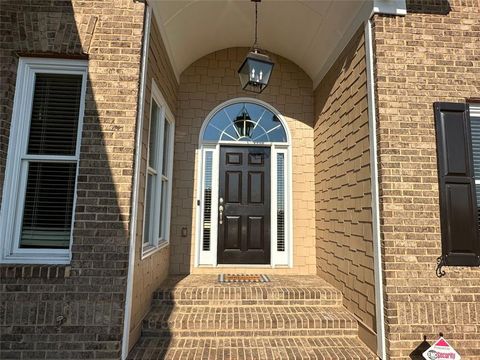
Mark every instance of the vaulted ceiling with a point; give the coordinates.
(310, 33)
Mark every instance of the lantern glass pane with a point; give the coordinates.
(255, 72)
(259, 71)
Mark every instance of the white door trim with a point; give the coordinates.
(212, 150)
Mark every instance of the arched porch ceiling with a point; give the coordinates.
(310, 33)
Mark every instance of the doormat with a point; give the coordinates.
(242, 278)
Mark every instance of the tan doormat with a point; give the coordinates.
(242, 278)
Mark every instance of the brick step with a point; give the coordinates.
(282, 290)
(205, 321)
(265, 333)
(326, 348)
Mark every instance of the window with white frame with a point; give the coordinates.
(475, 135)
(37, 214)
(158, 187)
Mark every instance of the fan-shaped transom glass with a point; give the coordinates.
(245, 121)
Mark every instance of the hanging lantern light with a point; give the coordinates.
(257, 67)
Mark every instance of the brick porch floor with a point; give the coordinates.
(291, 317)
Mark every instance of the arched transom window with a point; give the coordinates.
(244, 122)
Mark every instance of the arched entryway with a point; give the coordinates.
(244, 190)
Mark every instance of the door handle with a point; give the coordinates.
(220, 211)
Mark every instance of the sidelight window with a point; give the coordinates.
(281, 202)
(207, 200)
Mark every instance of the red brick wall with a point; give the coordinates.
(90, 293)
(432, 54)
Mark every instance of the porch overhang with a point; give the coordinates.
(310, 33)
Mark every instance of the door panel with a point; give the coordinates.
(256, 187)
(255, 232)
(256, 159)
(233, 186)
(233, 232)
(234, 158)
(244, 195)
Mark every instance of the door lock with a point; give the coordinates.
(220, 211)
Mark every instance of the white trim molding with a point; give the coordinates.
(208, 257)
(364, 12)
(377, 239)
(17, 161)
(163, 33)
(135, 185)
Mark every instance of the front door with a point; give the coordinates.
(244, 205)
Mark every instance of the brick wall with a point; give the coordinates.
(432, 54)
(77, 311)
(150, 272)
(207, 83)
(342, 185)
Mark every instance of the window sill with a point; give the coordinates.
(150, 250)
(38, 259)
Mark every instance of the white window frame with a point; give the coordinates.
(475, 112)
(156, 243)
(208, 258)
(16, 171)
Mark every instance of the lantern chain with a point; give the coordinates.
(256, 22)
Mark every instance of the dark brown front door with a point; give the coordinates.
(244, 196)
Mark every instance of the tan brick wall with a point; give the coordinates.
(342, 184)
(150, 272)
(90, 294)
(432, 54)
(207, 83)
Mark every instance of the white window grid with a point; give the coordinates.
(160, 203)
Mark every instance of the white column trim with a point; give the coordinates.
(377, 240)
(135, 187)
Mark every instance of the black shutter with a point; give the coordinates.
(458, 205)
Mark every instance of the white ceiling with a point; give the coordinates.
(311, 33)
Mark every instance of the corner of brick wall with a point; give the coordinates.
(431, 54)
(150, 272)
(77, 311)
